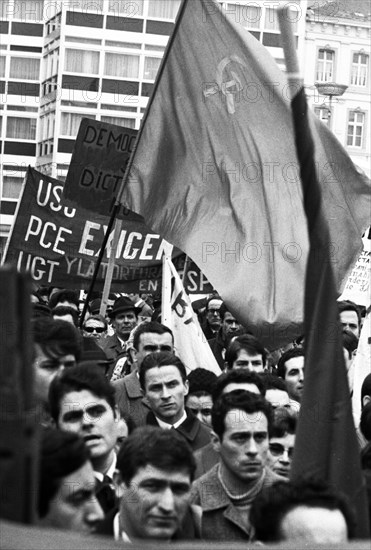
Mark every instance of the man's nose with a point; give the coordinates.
(94, 512)
(251, 447)
(165, 392)
(166, 502)
(285, 457)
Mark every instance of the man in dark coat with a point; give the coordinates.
(163, 380)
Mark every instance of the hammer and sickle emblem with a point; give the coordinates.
(232, 86)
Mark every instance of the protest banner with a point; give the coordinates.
(98, 164)
(58, 243)
(357, 288)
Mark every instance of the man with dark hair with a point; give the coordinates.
(281, 445)
(350, 317)
(275, 390)
(305, 512)
(229, 328)
(163, 379)
(366, 391)
(82, 401)
(246, 352)
(124, 318)
(156, 470)
(148, 338)
(57, 345)
(199, 400)
(66, 498)
(290, 367)
(212, 321)
(236, 379)
(64, 297)
(241, 422)
(66, 313)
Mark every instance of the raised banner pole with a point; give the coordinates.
(166, 286)
(110, 267)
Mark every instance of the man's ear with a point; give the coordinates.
(116, 413)
(366, 399)
(119, 484)
(132, 354)
(186, 385)
(215, 441)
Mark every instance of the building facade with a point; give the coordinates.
(337, 61)
(63, 60)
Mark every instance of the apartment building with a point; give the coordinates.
(337, 72)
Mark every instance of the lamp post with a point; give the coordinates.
(330, 89)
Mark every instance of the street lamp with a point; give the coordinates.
(330, 89)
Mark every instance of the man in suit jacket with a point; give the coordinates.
(124, 318)
(156, 470)
(148, 338)
(163, 380)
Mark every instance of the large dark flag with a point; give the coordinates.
(326, 445)
(214, 172)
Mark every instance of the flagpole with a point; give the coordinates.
(110, 267)
(150, 102)
(115, 211)
(166, 286)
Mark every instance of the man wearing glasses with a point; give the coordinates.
(95, 327)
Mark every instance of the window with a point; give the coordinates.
(2, 66)
(70, 123)
(325, 66)
(125, 8)
(20, 128)
(355, 128)
(24, 68)
(323, 113)
(164, 9)
(119, 121)
(32, 10)
(81, 61)
(359, 69)
(83, 5)
(151, 65)
(124, 66)
(12, 187)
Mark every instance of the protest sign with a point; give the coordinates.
(98, 165)
(58, 243)
(357, 288)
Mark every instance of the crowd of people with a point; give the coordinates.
(137, 445)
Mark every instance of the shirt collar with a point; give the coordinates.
(111, 470)
(116, 530)
(166, 426)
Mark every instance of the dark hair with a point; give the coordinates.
(61, 454)
(347, 305)
(66, 310)
(64, 295)
(56, 337)
(164, 449)
(246, 342)
(87, 376)
(350, 341)
(237, 376)
(274, 502)
(286, 356)
(272, 381)
(160, 359)
(223, 310)
(215, 297)
(365, 423)
(150, 326)
(201, 380)
(238, 399)
(366, 387)
(96, 317)
(282, 426)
